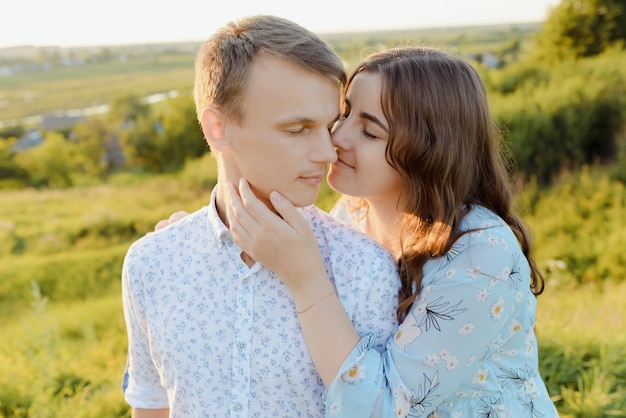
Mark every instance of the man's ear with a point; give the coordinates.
(212, 122)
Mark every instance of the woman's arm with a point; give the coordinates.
(150, 413)
(288, 247)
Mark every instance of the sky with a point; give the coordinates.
(114, 22)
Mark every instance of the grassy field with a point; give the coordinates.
(63, 337)
(170, 67)
(63, 334)
(89, 85)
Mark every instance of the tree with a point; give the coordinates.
(93, 142)
(581, 28)
(51, 163)
(163, 143)
(182, 137)
(11, 174)
(128, 108)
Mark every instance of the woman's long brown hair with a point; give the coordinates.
(446, 147)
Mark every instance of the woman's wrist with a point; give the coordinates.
(311, 291)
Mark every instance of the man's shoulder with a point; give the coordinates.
(171, 235)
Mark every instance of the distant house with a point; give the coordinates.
(59, 120)
(5, 71)
(30, 139)
(490, 60)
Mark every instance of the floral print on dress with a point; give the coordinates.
(467, 346)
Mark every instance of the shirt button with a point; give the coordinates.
(238, 407)
(245, 281)
(241, 346)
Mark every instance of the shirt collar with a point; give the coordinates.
(219, 229)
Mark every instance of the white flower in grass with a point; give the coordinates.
(450, 273)
(492, 240)
(445, 354)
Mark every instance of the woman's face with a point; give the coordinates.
(360, 138)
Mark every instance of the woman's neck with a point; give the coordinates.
(383, 224)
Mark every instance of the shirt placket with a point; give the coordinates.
(242, 343)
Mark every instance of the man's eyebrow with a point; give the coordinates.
(295, 120)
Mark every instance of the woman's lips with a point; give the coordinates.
(342, 163)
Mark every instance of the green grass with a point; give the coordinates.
(64, 342)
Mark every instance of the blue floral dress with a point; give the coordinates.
(467, 347)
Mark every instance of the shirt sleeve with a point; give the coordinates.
(141, 380)
(462, 314)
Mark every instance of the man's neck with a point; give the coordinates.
(220, 206)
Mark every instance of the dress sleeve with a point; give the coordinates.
(464, 312)
(141, 381)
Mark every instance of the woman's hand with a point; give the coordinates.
(173, 218)
(284, 244)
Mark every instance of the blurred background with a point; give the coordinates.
(99, 141)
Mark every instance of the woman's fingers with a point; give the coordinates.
(177, 216)
(288, 212)
(264, 218)
(234, 211)
(173, 218)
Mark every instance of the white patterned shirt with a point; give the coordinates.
(467, 347)
(210, 337)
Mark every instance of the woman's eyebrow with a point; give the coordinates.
(374, 119)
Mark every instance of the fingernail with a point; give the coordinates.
(275, 196)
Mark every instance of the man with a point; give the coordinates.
(211, 332)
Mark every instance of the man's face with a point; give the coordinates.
(283, 143)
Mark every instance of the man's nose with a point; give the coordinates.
(324, 149)
(338, 136)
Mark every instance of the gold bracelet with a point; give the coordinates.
(332, 292)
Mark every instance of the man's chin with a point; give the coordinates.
(301, 200)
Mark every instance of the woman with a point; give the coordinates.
(420, 164)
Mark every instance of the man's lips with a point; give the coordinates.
(313, 178)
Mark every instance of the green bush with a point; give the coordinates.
(572, 117)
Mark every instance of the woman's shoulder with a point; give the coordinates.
(486, 233)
